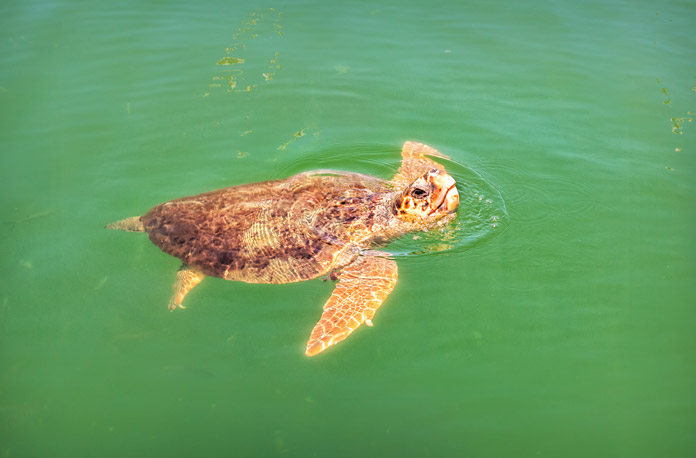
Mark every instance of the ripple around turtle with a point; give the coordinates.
(481, 216)
(558, 197)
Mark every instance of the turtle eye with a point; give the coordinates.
(419, 193)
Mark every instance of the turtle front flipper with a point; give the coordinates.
(362, 287)
(415, 162)
(186, 279)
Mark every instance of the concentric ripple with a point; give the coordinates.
(481, 214)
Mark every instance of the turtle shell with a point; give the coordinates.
(279, 231)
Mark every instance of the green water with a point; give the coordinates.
(567, 331)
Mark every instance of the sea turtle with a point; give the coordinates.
(320, 223)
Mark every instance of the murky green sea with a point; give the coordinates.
(556, 320)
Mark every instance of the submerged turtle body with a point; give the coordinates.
(273, 232)
(303, 227)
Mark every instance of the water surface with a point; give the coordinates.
(565, 331)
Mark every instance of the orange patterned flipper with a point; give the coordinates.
(415, 162)
(362, 287)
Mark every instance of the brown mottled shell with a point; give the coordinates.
(280, 231)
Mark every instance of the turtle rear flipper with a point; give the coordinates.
(132, 224)
(186, 279)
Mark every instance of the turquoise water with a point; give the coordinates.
(565, 331)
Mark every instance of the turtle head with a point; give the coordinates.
(427, 199)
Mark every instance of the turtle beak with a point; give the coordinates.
(451, 198)
(447, 199)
